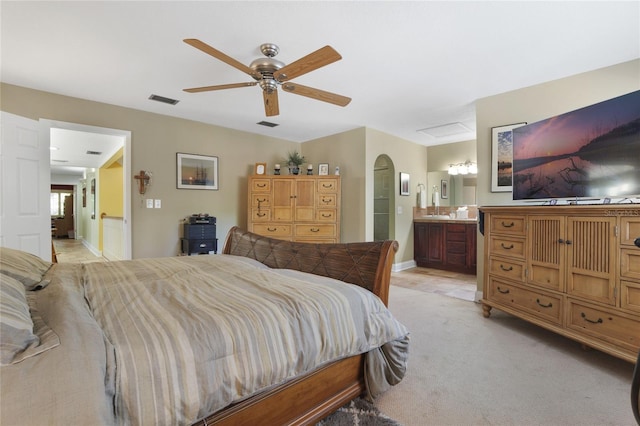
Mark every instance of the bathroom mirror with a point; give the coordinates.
(461, 188)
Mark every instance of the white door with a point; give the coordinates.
(25, 219)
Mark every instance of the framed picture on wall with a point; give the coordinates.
(197, 171)
(404, 183)
(502, 157)
(444, 188)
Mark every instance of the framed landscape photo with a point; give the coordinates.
(197, 171)
(404, 183)
(502, 157)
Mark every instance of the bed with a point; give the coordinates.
(269, 332)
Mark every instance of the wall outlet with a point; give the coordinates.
(150, 203)
(157, 204)
(399, 209)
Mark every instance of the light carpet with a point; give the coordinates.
(465, 369)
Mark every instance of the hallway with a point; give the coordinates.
(73, 251)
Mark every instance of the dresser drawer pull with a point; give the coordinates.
(549, 305)
(508, 225)
(272, 229)
(327, 200)
(505, 247)
(510, 268)
(326, 215)
(261, 185)
(203, 245)
(261, 214)
(262, 200)
(503, 291)
(584, 316)
(314, 229)
(327, 185)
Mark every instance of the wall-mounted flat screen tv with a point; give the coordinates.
(591, 152)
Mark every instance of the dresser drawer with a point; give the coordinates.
(327, 185)
(261, 185)
(630, 263)
(630, 295)
(316, 231)
(544, 305)
(272, 230)
(507, 246)
(260, 215)
(617, 328)
(514, 225)
(507, 268)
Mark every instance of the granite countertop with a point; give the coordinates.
(443, 219)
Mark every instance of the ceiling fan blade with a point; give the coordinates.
(271, 107)
(312, 61)
(219, 87)
(221, 56)
(321, 95)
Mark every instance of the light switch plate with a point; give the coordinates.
(150, 203)
(157, 204)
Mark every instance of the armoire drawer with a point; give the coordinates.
(630, 295)
(544, 305)
(315, 231)
(272, 230)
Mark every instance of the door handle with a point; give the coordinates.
(637, 242)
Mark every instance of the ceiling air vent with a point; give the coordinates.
(267, 124)
(163, 99)
(94, 153)
(445, 130)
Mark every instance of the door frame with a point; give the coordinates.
(126, 166)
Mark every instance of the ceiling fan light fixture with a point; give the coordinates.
(269, 85)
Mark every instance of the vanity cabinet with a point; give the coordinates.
(571, 269)
(448, 245)
(295, 208)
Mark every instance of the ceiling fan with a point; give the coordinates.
(270, 73)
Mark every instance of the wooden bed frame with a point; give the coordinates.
(310, 398)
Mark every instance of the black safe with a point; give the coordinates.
(199, 238)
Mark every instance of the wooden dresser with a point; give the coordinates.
(571, 269)
(295, 208)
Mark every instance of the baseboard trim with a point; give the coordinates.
(397, 267)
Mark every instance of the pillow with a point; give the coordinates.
(24, 267)
(16, 326)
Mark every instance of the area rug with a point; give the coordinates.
(358, 412)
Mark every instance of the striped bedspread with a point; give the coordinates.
(194, 334)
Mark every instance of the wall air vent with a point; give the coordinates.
(163, 99)
(59, 161)
(267, 124)
(94, 153)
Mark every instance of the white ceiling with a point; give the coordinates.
(73, 151)
(407, 65)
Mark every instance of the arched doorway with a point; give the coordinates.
(383, 199)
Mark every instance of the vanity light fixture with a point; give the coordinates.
(465, 168)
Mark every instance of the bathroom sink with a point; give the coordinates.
(436, 216)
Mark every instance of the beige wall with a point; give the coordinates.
(347, 151)
(409, 158)
(536, 103)
(356, 152)
(155, 141)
